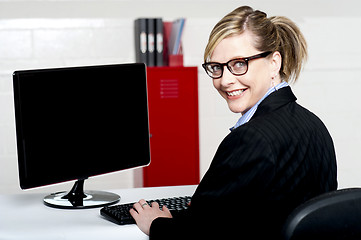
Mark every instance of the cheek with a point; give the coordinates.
(216, 84)
(258, 82)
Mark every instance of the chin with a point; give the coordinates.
(236, 109)
(237, 106)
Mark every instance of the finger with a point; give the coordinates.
(138, 207)
(143, 203)
(133, 213)
(155, 205)
(165, 209)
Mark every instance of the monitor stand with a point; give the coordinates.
(78, 199)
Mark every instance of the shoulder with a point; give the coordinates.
(289, 116)
(290, 123)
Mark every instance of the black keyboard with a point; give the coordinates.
(120, 213)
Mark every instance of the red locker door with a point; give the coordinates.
(173, 122)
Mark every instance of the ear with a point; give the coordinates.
(275, 64)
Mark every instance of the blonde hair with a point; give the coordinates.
(271, 34)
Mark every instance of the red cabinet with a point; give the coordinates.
(173, 123)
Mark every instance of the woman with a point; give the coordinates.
(276, 157)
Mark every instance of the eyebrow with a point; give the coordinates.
(236, 57)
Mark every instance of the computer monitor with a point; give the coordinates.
(78, 122)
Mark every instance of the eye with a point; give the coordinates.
(238, 64)
(214, 68)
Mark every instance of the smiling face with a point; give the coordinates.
(243, 92)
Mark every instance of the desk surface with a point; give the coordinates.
(24, 216)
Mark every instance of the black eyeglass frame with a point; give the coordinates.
(246, 60)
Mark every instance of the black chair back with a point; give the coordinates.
(333, 215)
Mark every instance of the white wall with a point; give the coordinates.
(49, 33)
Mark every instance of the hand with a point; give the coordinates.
(145, 214)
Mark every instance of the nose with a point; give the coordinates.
(227, 78)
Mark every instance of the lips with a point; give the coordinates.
(235, 93)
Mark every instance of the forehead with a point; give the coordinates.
(234, 46)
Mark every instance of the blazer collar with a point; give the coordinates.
(274, 101)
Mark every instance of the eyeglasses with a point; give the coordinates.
(237, 67)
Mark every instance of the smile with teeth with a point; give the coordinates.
(236, 92)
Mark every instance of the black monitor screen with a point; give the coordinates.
(73, 123)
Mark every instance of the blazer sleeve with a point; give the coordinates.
(172, 228)
(239, 176)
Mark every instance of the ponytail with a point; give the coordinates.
(271, 34)
(292, 46)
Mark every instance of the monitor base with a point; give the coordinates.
(77, 198)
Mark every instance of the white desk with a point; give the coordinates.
(24, 216)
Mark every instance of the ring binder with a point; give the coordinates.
(158, 43)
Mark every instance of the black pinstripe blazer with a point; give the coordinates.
(261, 171)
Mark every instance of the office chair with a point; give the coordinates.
(333, 215)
